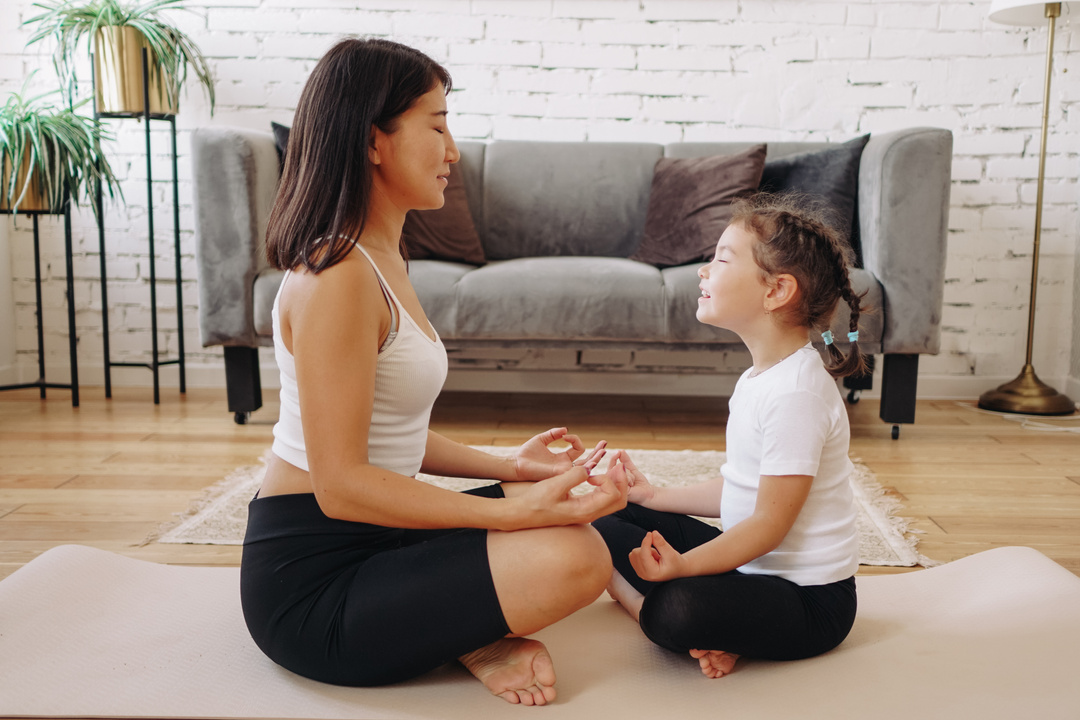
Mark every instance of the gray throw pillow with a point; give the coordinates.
(832, 175)
(690, 205)
(447, 233)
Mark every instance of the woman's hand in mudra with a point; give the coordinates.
(536, 461)
(553, 502)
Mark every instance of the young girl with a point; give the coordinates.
(778, 582)
(354, 572)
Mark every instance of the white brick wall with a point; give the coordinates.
(629, 70)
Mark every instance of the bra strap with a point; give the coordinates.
(386, 294)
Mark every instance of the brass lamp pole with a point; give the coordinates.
(1028, 394)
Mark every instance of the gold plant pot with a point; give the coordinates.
(118, 74)
(34, 199)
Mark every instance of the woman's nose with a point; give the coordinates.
(452, 152)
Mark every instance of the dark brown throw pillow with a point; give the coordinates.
(690, 205)
(447, 233)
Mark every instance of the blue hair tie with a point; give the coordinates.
(853, 336)
(827, 337)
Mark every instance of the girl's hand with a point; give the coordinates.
(641, 491)
(656, 560)
(535, 460)
(550, 502)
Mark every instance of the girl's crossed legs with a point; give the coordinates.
(717, 618)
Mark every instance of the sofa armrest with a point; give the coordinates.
(235, 176)
(904, 180)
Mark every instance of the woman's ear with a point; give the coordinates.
(782, 290)
(373, 145)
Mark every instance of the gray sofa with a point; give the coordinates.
(557, 221)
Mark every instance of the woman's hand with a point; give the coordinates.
(551, 502)
(641, 491)
(656, 560)
(535, 460)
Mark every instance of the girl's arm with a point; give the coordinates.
(702, 499)
(335, 345)
(779, 501)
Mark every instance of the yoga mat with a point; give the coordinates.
(87, 633)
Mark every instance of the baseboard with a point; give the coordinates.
(9, 375)
(1072, 388)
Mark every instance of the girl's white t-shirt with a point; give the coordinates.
(791, 420)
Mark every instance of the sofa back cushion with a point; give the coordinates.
(565, 198)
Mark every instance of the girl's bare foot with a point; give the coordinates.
(715, 663)
(518, 670)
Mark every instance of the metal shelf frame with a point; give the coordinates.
(156, 362)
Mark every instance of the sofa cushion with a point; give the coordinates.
(447, 233)
(266, 287)
(831, 174)
(681, 293)
(436, 285)
(561, 298)
(690, 204)
(544, 199)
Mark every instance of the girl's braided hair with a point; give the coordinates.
(794, 238)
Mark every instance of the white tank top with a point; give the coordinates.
(409, 374)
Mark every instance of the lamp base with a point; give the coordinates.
(1028, 395)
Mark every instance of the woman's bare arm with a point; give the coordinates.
(334, 343)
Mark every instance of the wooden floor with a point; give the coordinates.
(110, 472)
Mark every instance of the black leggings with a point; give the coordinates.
(356, 604)
(758, 616)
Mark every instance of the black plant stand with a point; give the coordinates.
(41, 383)
(156, 362)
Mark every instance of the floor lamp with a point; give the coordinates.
(1027, 394)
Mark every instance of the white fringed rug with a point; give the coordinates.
(220, 516)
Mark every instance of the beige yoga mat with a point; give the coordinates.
(87, 633)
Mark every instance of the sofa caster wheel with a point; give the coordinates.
(241, 418)
(853, 396)
(895, 432)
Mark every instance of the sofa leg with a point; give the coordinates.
(857, 383)
(898, 382)
(243, 383)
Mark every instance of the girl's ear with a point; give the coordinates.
(782, 290)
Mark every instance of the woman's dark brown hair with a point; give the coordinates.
(324, 193)
(795, 239)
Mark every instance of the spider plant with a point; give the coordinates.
(69, 21)
(51, 150)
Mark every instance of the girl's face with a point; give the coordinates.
(412, 163)
(732, 288)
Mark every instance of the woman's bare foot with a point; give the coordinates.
(518, 670)
(715, 663)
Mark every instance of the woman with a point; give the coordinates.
(353, 571)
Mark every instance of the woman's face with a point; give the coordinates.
(412, 163)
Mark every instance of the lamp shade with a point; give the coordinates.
(1026, 12)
